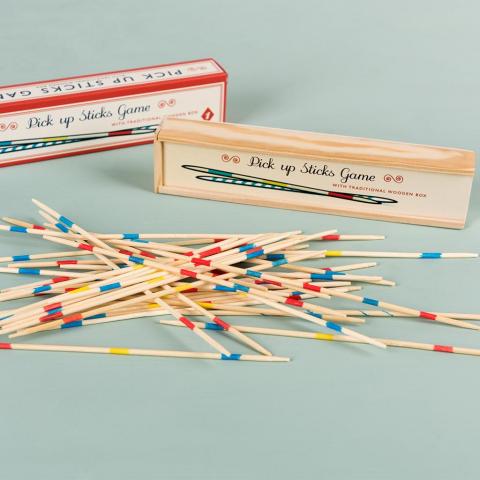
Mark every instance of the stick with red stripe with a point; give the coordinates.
(190, 325)
(268, 298)
(226, 326)
(356, 298)
(337, 338)
(140, 351)
(72, 226)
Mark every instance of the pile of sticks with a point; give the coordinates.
(102, 278)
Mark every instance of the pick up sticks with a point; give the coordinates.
(134, 275)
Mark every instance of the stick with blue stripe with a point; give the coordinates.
(65, 225)
(366, 300)
(268, 297)
(140, 352)
(209, 279)
(43, 272)
(424, 255)
(102, 279)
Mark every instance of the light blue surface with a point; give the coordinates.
(396, 70)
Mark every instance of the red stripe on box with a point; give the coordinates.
(111, 92)
(346, 196)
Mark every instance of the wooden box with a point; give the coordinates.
(315, 172)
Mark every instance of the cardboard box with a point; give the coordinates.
(315, 172)
(90, 113)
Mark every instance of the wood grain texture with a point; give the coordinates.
(309, 145)
(265, 202)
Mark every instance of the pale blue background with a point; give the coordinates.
(405, 70)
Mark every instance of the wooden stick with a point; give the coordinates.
(226, 326)
(259, 294)
(424, 255)
(76, 228)
(339, 338)
(140, 352)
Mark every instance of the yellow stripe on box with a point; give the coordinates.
(119, 351)
(323, 336)
(333, 253)
(54, 139)
(278, 184)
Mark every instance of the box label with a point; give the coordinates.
(326, 184)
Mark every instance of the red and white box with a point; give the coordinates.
(91, 113)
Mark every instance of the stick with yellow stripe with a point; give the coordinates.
(140, 352)
(339, 338)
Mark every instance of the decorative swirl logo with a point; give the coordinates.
(167, 103)
(6, 126)
(233, 158)
(396, 178)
